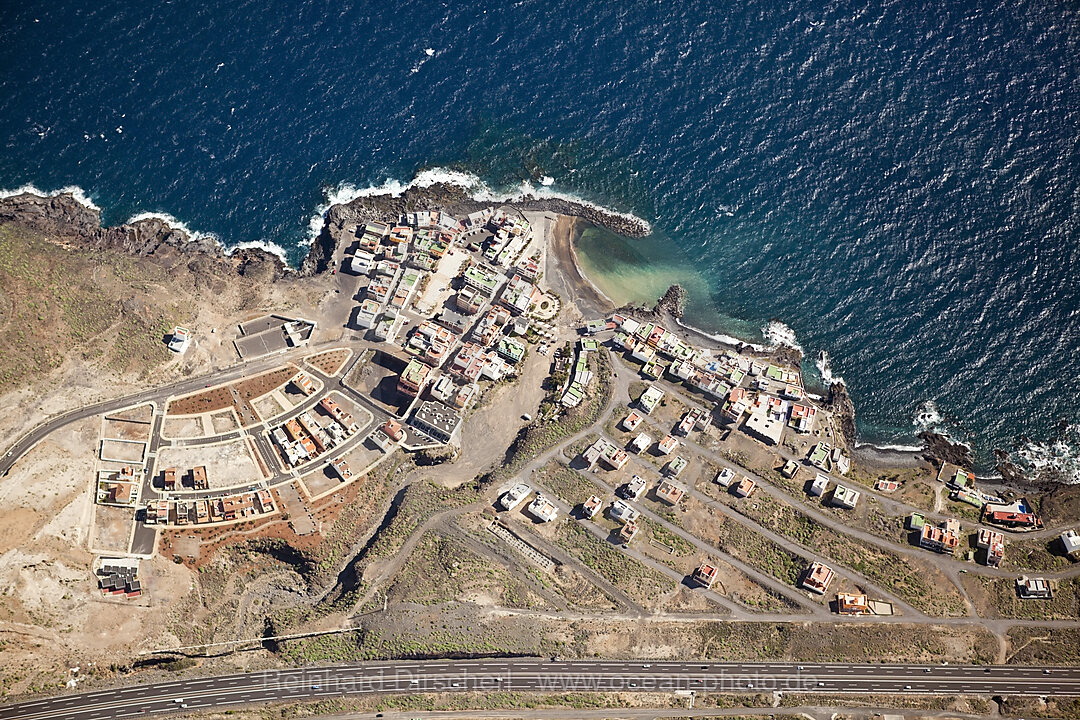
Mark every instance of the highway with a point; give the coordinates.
(541, 675)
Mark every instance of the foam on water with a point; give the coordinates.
(174, 224)
(802, 166)
(722, 338)
(891, 446)
(827, 375)
(778, 334)
(265, 245)
(928, 417)
(1060, 457)
(472, 184)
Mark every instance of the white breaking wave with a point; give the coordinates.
(174, 224)
(265, 245)
(777, 334)
(75, 191)
(476, 188)
(928, 417)
(1061, 456)
(547, 181)
(887, 446)
(828, 377)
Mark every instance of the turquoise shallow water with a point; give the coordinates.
(898, 182)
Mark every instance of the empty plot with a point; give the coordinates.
(330, 361)
(127, 451)
(142, 413)
(224, 422)
(269, 406)
(322, 480)
(112, 528)
(183, 427)
(227, 464)
(118, 429)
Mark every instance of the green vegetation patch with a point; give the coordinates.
(55, 301)
(566, 483)
(441, 569)
(625, 573)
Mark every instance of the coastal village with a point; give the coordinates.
(448, 309)
(649, 472)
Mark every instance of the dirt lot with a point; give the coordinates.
(997, 597)
(140, 414)
(269, 407)
(227, 464)
(237, 396)
(329, 361)
(121, 451)
(321, 481)
(190, 426)
(127, 429)
(112, 529)
(377, 378)
(224, 422)
(52, 615)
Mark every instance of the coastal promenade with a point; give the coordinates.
(533, 675)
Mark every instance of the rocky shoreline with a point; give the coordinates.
(70, 223)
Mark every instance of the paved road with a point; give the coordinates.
(27, 441)
(535, 674)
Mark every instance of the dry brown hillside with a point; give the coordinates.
(81, 323)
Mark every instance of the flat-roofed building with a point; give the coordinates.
(543, 509)
(669, 493)
(675, 466)
(745, 487)
(641, 443)
(668, 445)
(650, 399)
(1034, 588)
(845, 497)
(414, 378)
(630, 422)
(341, 467)
(764, 428)
(591, 507)
(436, 420)
(705, 575)
(803, 418)
(817, 578)
(936, 539)
(622, 511)
(851, 604)
(1070, 542)
(178, 341)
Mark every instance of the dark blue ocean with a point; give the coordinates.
(897, 182)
